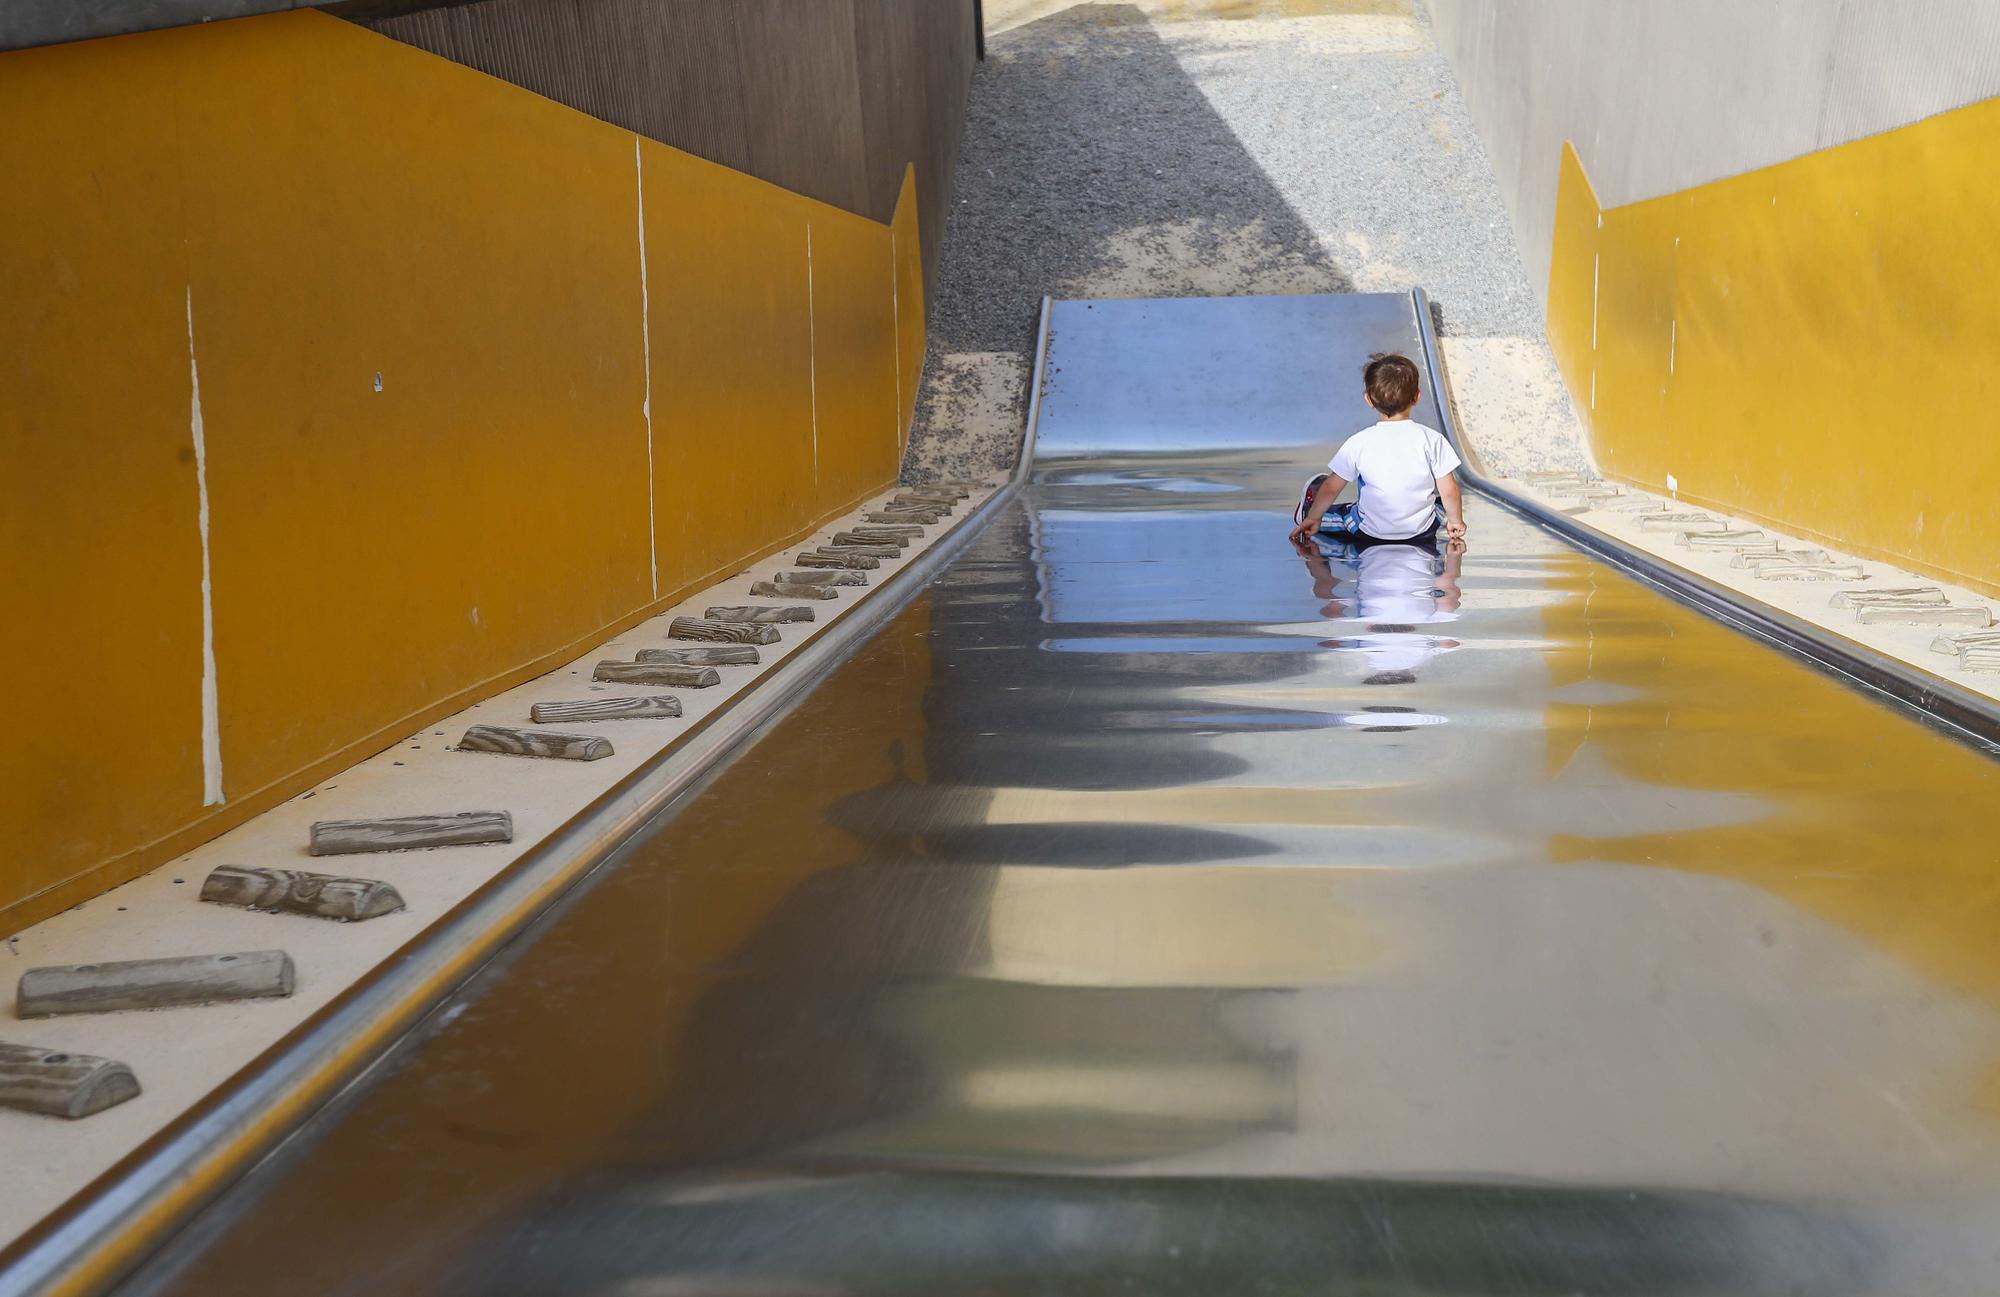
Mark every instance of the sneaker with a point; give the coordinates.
(1306, 500)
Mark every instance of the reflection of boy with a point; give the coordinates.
(1403, 470)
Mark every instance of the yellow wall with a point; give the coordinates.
(329, 205)
(1814, 344)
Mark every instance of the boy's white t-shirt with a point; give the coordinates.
(1396, 465)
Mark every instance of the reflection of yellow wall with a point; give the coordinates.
(1849, 810)
(1815, 344)
(329, 205)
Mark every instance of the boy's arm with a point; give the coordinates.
(1454, 507)
(1329, 491)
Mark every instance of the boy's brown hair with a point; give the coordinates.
(1391, 381)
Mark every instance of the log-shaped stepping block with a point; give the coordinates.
(722, 632)
(1810, 572)
(1913, 596)
(821, 578)
(322, 896)
(1677, 522)
(935, 491)
(914, 517)
(672, 674)
(1978, 658)
(860, 562)
(908, 530)
(411, 832)
(782, 590)
(856, 538)
(1737, 540)
(1767, 558)
(1889, 614)
(773, 616)
(1966, 639)
(57, 1083)
(845, 548)
(716, 655)
(507, 742)
(154, 983)
(648, 708)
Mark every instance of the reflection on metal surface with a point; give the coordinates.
(1153, 909)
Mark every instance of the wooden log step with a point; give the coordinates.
(1751, 558)
(821, 578)
(716, 655)
(856, 538)
(647, 708)
(908, 530)
(1676, 522)
(154, 983)
(508, 742)
(847, 549)
(1915, 596)
(1980, 659)
(783, 590)
(860, 562)
(1889, 614)
(1748, 539)
(915, 517)
(1810, 572)
(1965, 639)
(936, 491)
(57, 1083)
(772, 616)
(411, 832)
(932, 503)
(722, 632)
(674, 675)
(322, 896)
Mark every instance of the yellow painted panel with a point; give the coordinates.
(421, 318)
(1833, 349)
(860, 442)
(906, 238)
(1573, 278)
(494, 292)
(100, 582)
(732, 382)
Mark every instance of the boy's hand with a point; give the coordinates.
(1455, 530)
(1302, 533)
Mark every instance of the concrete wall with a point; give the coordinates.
(341, 385)
(1660, 97)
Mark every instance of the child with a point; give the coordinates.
(1404, 470)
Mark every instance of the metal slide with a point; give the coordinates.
(1147, 908)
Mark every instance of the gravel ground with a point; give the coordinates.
(1143, 149)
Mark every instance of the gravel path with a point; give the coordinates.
(1111, 151)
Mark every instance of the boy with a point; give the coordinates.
(1404, 470)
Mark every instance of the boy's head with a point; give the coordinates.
(1391, 381)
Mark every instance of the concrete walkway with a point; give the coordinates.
(1213, 147)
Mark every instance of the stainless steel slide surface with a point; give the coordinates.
(1150, 908)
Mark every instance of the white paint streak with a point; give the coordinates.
(1593, 391)
(1673, 344)
(1596, 262)
(646, 350)
(812, 354)
(211, 706)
